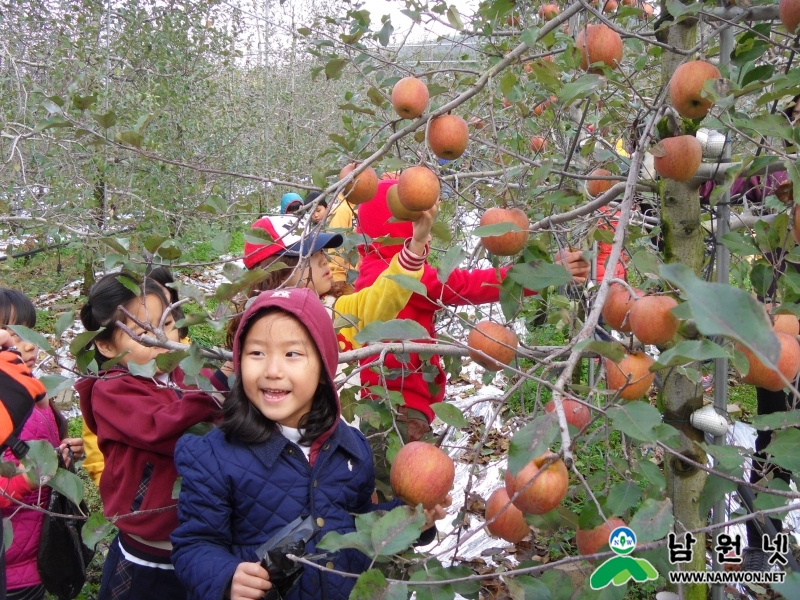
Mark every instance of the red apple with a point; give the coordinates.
(510, 525)
(578, 415)
(686, 87)
(652, 321)
(589, 541)
(610, 6)
(477, 123)
(448, 136)
(363, 188)
(399, 212)
(788, 364)
(789, 11)
(410, 97)
(512, 242)
(418, 188)
(548, 12)
(783, 323)
(678, 157)
(595, 187)
(544, 494)
(499, 343)
(422, 474)
(634, 368)
(618, 303)
(540, 108)
(599, 43)
(506, 103)
(538, 144)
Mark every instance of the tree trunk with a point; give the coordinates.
(683, 242)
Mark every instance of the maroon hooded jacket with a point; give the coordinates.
(463, 288)
(138, 422)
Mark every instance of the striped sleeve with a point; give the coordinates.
(410, 261)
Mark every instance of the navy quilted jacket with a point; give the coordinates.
(235, 497)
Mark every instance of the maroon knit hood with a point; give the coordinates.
(306, 306)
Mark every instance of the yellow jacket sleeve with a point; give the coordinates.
(381, 301)
(94, 461)
(342, 220)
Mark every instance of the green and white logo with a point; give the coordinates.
(620, 569)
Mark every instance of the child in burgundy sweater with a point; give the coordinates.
(138, 421)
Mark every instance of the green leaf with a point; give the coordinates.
(32, 337)
(450, 414)
(168, 361)
(715, 488)
(64, 322)
(778, 420)
(677, 9)
(560, 587)
(448, 263)
(83, 102)
(767, 125)
(653, 520)
(397, 530)
(495, 229)
(454, 18)
(372, 585)
(40, 460)
(226, 291)
(68, 484)
(105, 120)
(147, 370)
(396, 329)
(507, 83)
(50, 122)
(193, 364)
(647, 262)
(724, 310)
(787, 589)
(442, 232)
(783, 449)
(689, 351)
(636, 420)
(728, 459)
(333, 68)
(130, 138)
(766, 501)
(621, 497)
(612, 350)
(529, 36)
(56, 384)
(407, 282)
(376, 98)
(538, 275)
(580, 88)
(385, 34)
(96, 528)
(652, 473)
(221, 241)
(118, 244)
(740, 244)
(82, 340)
(525, 587)
(8, 533)
(187, 290)
(169, 250)
(334, 541)
(532, 441)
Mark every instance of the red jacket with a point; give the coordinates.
(604, 249)
(138, 422)
(462, 288)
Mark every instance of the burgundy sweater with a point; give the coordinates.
(138, 422)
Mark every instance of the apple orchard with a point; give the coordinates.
(546, 128)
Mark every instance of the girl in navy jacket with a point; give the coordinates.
(281, 452)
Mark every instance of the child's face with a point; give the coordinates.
(319, 278)
(147, 311)
(280, 368)
(28, 352)
(318, 213)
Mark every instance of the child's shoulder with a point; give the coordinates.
(210, 447)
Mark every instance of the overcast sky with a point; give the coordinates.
(401, 22)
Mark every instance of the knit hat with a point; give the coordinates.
(285, 241)
(311, 196)
(290, 200)
(374, 218)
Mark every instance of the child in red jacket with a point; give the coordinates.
(462, 288)
(138, 420)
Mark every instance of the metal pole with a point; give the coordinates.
(723, 259)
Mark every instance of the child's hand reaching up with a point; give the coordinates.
(422, 230)
(573, 261)
(437, 513)
(250, 581)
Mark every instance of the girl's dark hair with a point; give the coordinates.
(16, 309)
(102, 309)
(244, 422)
(163, 276)
(272, 282)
